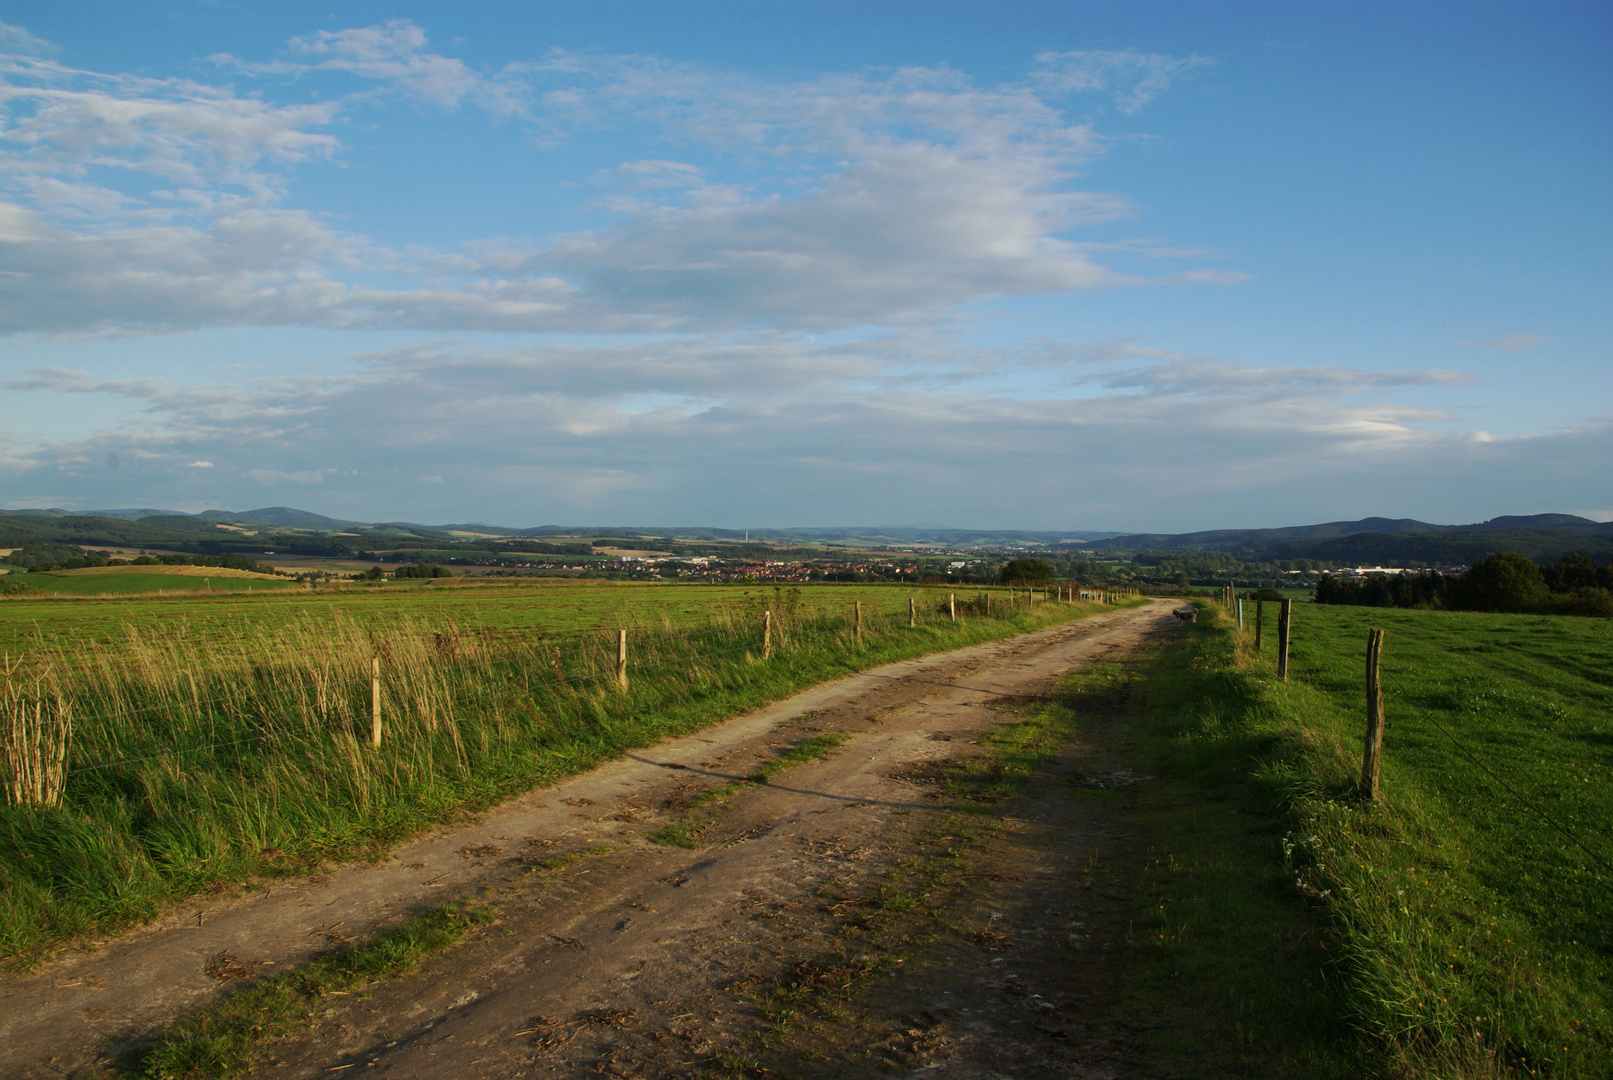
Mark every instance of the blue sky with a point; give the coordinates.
(1062, 266)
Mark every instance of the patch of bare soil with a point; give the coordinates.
(614, 955)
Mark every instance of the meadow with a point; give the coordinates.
(96, 581)
(552, 605)
(1469, 910)
(188, 741)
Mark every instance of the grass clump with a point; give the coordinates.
(226, 1039)
(813, 748)
(566, 858)
(688, 830)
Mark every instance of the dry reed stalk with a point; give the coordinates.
(38, 733)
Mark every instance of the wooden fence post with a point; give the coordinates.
(1372, 756)
(912, 613)
(767, 634)
(1260, 611)
(952, 606)
(621, 659)
(1285, 619)
(375, 701)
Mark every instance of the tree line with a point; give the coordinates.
(43, 558)
(1505, 581)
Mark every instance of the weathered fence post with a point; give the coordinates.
(621, 659)
(952, 606)
(767, 634)
(375, 701)
(1372, 756)
(912, 613)
(1260, 611)
(1285, 620)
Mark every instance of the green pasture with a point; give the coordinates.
(1470, 907)
(134, 583)
(547, 605)
(1503, 722)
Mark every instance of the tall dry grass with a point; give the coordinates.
(38, 729)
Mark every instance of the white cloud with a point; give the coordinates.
(262, 267)
(62, 124)
(201, 464)
(14, 39)
(1134, 78)
(395, 52)
(1208, 378)
(770, 428)
(880, 198)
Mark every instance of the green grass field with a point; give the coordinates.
(214, 739)
(555, 606)
(135, 581)
(1469, 932)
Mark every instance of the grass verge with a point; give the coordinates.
(1436, 964)
(226, 1039)
(1227, 970)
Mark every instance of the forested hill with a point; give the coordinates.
(1393, 541)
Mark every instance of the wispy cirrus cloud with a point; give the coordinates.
(393, 53)
(14, 39)
(1133, 78)
(63, 125)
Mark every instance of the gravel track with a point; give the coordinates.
(645, 939)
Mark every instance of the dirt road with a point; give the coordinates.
(629, 961)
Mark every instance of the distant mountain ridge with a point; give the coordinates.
(1373, 540)
(279, 517)
(1392, 541)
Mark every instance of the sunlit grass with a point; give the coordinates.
(199, 758)
(1472, 935)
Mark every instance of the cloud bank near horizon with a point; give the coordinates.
(774, 307)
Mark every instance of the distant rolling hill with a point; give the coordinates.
(1372, 541)
(1392, 541)
(278, 517)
